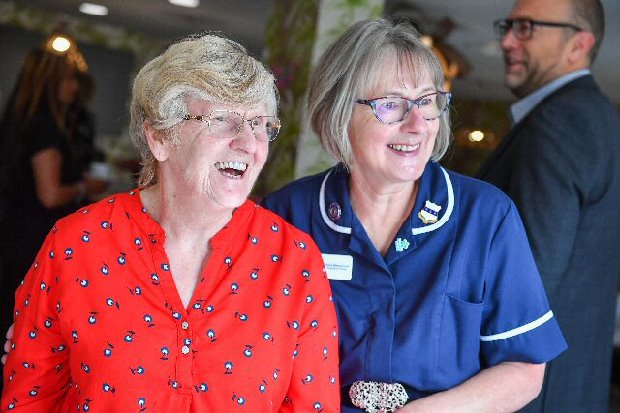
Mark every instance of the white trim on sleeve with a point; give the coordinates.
(519, 330)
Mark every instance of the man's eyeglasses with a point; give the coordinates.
(522, 28)
(394, 109)
(227, 124)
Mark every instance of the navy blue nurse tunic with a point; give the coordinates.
(457, 291)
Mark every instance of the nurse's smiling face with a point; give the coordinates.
(397, 153)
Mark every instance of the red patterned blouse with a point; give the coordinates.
(99, 325)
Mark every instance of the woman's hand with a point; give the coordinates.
(7, 343)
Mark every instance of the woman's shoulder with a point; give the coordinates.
(301, 190)
(101, 213)
(302, 185)
(476, 187)
(42, 132)
(472, 192)
(265, 218)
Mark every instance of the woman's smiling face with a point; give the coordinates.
(223, 168)
(393, 153)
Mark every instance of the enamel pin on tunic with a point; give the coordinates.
(429, 213)
(401, 244)
(334, 211)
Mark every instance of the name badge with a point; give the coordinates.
(338, 267)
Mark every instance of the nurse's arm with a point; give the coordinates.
(505, 387)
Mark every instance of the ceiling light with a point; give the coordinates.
(476, 136)
(185, 3)
(93, 9)
(60, 44)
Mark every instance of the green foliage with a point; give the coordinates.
(289, 41)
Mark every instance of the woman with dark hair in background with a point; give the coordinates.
(40, 179)
(82, 123)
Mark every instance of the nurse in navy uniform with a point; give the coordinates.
(440, 304)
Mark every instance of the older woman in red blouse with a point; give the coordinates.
(181, 295)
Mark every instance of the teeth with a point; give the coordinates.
(239, 166)
(405, 148)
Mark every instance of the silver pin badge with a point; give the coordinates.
(429, 213)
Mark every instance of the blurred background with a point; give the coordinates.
(116, 37)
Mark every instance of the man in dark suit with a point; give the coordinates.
(560, 163)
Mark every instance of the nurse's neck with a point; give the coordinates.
(381, 212)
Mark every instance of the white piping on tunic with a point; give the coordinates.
(414, 231)
(446, 216)
(519, 330)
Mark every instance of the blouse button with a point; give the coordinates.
(184, 325)
(185, 350)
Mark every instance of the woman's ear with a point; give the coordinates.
(157, 144)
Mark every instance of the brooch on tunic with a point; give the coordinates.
(374, 397)
(401, 244)
(334, 211)
(429, 213)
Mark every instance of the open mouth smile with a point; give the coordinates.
(230, 169)
(404, 148)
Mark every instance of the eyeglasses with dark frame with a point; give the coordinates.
(393, 109)
(227, 124)
(523, 28)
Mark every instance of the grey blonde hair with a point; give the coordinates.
(204, 66)
(352, 65)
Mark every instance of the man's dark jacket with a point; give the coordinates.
(561, 166)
